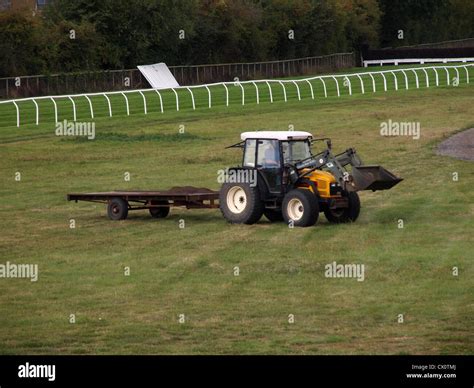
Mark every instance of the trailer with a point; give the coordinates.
(120, 202)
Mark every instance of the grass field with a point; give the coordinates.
(190, 271)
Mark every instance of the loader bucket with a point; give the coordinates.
(373, 178)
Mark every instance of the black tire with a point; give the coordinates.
(273, 215)
(349, 214)
(240, 203)
(300, 201)
(117, 209)
(160, 212)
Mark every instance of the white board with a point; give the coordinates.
(159, 76)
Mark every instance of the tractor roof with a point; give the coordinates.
(276, 135)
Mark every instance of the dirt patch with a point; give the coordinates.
(459, 146)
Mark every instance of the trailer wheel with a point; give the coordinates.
(301, 207)
(160, 212)
(343, 215)
(117, 209)
(240, 203)
(273, 215)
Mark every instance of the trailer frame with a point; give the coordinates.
(186, 196)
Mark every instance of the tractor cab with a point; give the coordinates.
(280, 157)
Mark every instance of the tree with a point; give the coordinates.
(21, 44)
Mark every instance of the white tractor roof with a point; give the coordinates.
(276, 135)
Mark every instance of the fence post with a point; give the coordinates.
(284, 90)
(37, 111)
(350, 85)
(110, 106)
(298, 90)
(161, 100)
(55, 110)
(395, 79)
(17, 114)
(192, 98)
(416, 79)
(177, 99)
(126, 104)
(209, 93)
(73, 107)
(337, 86)
(384, 81)
(426, 78)
(374, 89)
(436, 76)
(270, 90)
(226, 94)
(406, 78)
(311, 88)
(324, 86)
(447, 75)
(256, 89)
(90, 106)
(361, 84)
(243, 93)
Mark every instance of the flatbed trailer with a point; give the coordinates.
(120, 202)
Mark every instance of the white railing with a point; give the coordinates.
(323, 79)
(421, 61)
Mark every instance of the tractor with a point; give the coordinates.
(291, 183)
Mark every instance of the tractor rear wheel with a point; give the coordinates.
(348, 214)
(160, 212)
(117, 209)
(301, 207)
(240, 203)
(273, 215)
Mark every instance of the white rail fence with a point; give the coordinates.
(421, 61)
(441, 74)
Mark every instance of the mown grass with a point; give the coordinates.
(190, 271)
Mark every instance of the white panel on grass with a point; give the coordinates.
(159, 76)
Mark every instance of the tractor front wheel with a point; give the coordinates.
(348, 214)
(240, 203)
(300, 207)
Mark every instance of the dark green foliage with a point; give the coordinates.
(117, 34)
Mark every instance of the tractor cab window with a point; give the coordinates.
(296, 150)
(268, 155)
(249, 153)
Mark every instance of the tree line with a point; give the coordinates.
(83, 35)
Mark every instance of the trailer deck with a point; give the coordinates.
(158, 202)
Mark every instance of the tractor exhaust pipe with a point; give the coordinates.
(372, 178)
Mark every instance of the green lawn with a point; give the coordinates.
(190, 271)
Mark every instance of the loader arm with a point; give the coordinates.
(357, 177)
